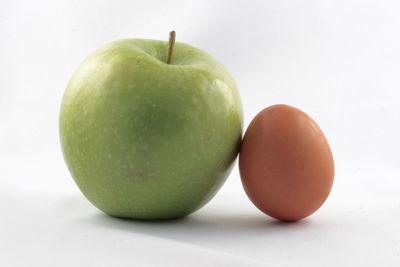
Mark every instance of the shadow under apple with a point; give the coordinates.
(220, 221)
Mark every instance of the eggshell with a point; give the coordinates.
(285, 163)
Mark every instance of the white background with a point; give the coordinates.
(339, 61)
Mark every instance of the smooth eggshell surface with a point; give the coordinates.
(285, 163)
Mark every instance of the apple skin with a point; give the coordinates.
(148, 140)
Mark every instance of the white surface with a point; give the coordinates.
(337, 60)
(65, 230)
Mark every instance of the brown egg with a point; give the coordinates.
(285, 163)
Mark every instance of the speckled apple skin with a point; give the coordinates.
(147, 140)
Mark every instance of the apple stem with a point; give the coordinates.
(171, 46)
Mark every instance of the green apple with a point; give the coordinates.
(144, 139)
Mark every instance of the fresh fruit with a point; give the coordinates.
(147, 139)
